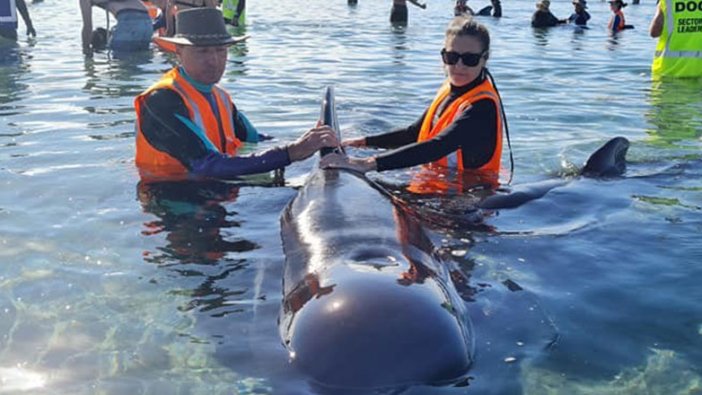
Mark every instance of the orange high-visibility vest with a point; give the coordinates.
(621, 25)
(219, 131)
(152, 9)
(484, 90)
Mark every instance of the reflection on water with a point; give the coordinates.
(399, 45)
(675, 112)
(541, 36)
(237, 57)
(108, 77)
(191, 214)
(193, 220)
(15, 62)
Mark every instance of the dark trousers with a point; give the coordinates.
(398, 14)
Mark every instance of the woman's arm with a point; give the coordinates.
(474, 132)
(398, 137)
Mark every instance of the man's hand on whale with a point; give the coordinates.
(310, 142)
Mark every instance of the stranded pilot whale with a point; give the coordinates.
(608, 161)
(367, 302)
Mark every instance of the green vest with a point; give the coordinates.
(234, 10)
(679, 49)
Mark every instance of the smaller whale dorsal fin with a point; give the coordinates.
(609, 160)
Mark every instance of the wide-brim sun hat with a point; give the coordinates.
(202, 27)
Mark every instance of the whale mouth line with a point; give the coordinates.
(372, 264)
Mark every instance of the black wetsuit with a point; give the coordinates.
(496, 9)
(398, 13)
(165, 132)
(474, 132)
(544, 19)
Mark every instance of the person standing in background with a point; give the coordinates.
(398, 12)
(679, 49)
(133, 30)
(543, 17)
(496, 8)
(579, 17)
(617, 22)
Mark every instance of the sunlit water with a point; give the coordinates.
(112, 288)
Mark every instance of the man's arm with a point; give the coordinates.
(22, 8)
(656, 27)
(166, 126)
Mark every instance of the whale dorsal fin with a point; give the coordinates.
(609, 160)
(329, 118)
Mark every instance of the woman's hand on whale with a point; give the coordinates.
(338, 161)
(357, 142)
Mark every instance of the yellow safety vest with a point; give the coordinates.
(679, 49)
(229, 11)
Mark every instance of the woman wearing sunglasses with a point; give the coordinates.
(462, 128)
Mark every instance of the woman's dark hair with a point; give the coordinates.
(467, 26)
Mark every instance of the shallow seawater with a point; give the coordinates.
(112, 287)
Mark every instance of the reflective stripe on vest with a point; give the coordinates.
(484, 90)
(678, 53)
(218, 132)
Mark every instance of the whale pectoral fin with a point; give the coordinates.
(520, 196)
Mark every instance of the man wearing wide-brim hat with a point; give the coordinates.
(188, 127)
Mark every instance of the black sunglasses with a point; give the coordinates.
(468, 59)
